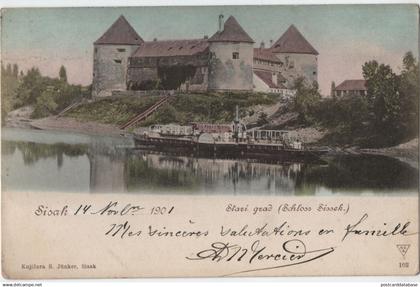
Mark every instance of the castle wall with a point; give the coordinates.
(110, 68)
(138, 75)
(297, 65)
(227, 73)
(141, 70)
(200, 80)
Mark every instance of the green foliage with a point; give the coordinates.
(217, 107)
(112, 110)
(306, 99)
(332, 92)
(165, 115)
(346, 118)
(48, 96)
(30, 88)
(383, 96)
(46, 103)
(387, 116)
(9, 86)
(409, 96)
(393, 100)
(262, 119)
(62, 74)
(183, 109)
(15, 72)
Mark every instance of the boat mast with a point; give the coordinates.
(236, 125)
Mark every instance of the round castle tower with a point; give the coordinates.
(110, 58)
(231, 58)
(298, 56)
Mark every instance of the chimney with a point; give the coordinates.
(221, 22)
(271, 43)
(206, 36)
(262, 45)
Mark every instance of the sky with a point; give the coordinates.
(346, 36)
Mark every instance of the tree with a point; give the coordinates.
(332, 93)
(30, 88)
(306, 99)
(9, 69)
(409, 61)
(46, 103)
(409, 96)
(15, 71)
(9, 86)
(63, 74)
(383, 99)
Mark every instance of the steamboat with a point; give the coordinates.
(226, 141)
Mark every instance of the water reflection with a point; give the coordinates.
(200, 175)
(46, 161)
(33, 152)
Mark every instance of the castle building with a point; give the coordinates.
(351, 88)
(110, 57)
(227, 61)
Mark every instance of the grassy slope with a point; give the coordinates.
(112, 110)
(184, 108)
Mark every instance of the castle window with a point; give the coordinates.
(235, 55)
(118, 61)
(314, 73)
(291, 64)
(96, 50)
(121, 50)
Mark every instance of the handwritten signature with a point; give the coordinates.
(292, 252)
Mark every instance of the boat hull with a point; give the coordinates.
(227, 150)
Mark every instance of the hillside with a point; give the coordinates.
(184, 108)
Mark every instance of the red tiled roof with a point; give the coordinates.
(265, 55)
(267, 78)
(170, 48)
(352, 85)
(120, 33)
(292, 41)
(232, 32)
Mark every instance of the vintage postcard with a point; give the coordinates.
(210, 141)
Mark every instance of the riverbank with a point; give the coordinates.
(75, 125)
(407, 152)
(19, 118)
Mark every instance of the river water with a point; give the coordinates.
(56, 161)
